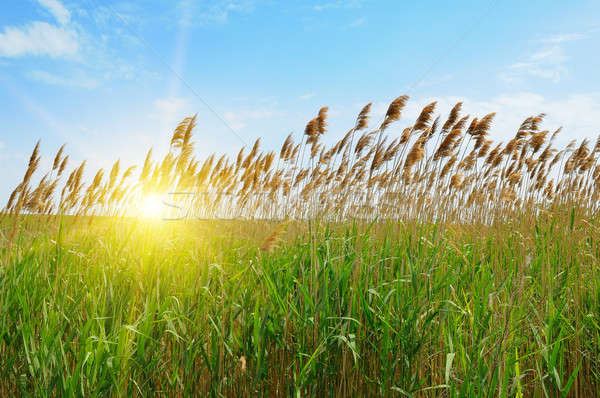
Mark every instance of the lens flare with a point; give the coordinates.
(151, 207)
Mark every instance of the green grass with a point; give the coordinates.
(127, 307)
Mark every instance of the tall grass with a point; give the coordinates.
(440, 263)
(433, 171)
(351, 309)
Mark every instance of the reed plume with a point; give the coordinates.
(346, 179)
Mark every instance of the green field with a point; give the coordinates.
(440, 263)
(131, 307)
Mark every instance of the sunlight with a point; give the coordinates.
(151, 207)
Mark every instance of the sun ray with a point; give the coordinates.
(152, 207)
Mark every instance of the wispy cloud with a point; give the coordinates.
(235, 120)
(549, 62)
(212, 12)
(57, 9)
(436, 80)
(78, 80)
(169, 109)
(307, 96)
(89, 59)
(240, 119)
(39, 38)
(338, 4)
(42, 38)
(563, 38)
(357, 22)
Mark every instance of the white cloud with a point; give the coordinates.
(38, 38)
(239, 119)
(2, 145)
(563, 38)
(211, 12)
(435, 80)
(57, 9)
(235, 121)
(338, 4)
(357, 22)
(549, 53)
(169, 109)
(42, 38)
(307, 96)
(78, 80)
(548, 63)
(93, 59)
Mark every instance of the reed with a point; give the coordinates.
(360, 172)
(435, 261)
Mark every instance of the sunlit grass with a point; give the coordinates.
(152, 207)
(124, 307)
(428, 262)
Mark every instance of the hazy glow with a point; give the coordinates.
(151, 207)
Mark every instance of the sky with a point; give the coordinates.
(113, 78)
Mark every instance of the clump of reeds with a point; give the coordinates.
(435, 169)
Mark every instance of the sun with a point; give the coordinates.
(152, 206)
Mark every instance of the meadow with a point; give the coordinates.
(438, 264)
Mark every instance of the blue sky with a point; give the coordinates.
(113, 78)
